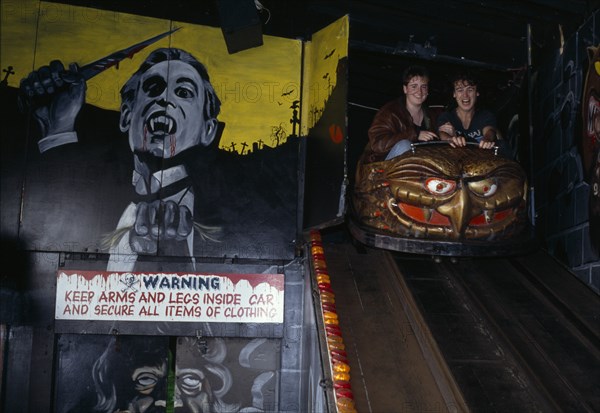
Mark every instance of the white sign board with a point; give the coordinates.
(129, 296)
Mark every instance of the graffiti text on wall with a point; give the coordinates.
(233, 298)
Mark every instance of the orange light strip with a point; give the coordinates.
(336, 349)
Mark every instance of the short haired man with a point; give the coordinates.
(466, 122)
(402, 121)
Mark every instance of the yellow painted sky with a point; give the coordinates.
(256, 86)
(323, 52)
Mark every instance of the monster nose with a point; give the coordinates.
(458, 210)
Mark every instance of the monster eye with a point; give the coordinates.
(485, 187)
(439, 186)
(191, 383)
(145, 381)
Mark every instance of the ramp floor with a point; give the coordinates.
(389, 370)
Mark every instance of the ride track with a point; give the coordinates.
(519, 333)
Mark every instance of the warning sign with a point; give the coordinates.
(129, 296)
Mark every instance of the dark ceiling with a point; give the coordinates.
(491, 32)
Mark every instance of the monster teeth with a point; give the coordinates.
(161, 124)
(488, 215)
(427, 213)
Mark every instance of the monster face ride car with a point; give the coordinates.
(441, 200)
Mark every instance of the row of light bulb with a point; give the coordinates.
(338, 359)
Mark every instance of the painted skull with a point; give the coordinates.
(445, 193)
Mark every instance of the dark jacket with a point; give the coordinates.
(391, 124)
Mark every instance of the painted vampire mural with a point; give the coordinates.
(148, 139)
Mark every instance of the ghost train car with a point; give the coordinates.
(442, 201)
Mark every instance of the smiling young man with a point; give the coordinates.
(467, 123)
(402, 121)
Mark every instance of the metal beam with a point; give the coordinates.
(371, 47)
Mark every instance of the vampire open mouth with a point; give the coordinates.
(160, 124)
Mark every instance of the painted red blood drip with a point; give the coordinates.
(173, 145)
